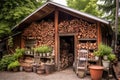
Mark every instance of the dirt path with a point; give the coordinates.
(67, 74)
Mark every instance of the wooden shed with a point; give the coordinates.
(64, 29)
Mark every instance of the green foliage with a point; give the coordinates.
(109, 9)
(88, 6)
(108, 6)
(4, 29)
(19, 53)
(5, 61)
(43, 49)
(78, 4)
(8, 59)
(13, 65)
(13, 11)
(103, 50)
(10, 41)
(92, 8)
(112, 57)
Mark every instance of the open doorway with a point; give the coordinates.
(66, 51)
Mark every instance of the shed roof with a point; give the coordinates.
(49, 7)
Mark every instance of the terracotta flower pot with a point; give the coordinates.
(96, 72)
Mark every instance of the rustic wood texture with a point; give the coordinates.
(66, 59)
(87, 45)
(99, 33)
(46, 33)
(43, 32)
(56, 38)
(83, 28)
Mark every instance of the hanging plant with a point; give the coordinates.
(10, 41)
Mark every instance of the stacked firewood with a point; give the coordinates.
(87, 31)
(69, 26)
(66, 60)
(43, 32)
(83, 28)
(87, 45)
(83, 45)
(92, 45)
(63, 60)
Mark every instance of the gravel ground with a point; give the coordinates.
(67, 74)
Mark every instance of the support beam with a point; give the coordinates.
(99, 33)
(22, 42)
(56, 38)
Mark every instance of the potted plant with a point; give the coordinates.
(14, 66)
(96, 72)
(44, 50)
(104, 51)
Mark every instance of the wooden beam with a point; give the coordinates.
(99, 33)
(56, 38)
(22, 42)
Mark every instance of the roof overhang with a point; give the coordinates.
(49, 7)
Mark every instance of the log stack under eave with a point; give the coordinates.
(43, 32)
(83, 28)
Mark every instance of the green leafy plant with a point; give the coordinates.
(19, 53)
(5, 61)
(13, 65)
(111, 57)
(103, 50)
(10, 41)
(43, 49)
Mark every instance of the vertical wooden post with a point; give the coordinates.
(56, 38)
(75, 47)
(99, 39)
(99, 33)
(22, 42)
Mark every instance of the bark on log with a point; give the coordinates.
(43, 32)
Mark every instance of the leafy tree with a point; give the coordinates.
(92, 8)
(108, 7)
(78, 4)
(88, 6)
(13, 11)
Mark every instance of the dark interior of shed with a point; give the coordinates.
(66, 51)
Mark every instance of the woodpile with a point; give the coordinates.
(87, 31)
(69, 26)
(66, 59)
(87, 45)
(83, 28)
(43, 32)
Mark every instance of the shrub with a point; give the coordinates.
(13, 65)
(111, 57)
(103, 50)
(19, 53)
(5, 61)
